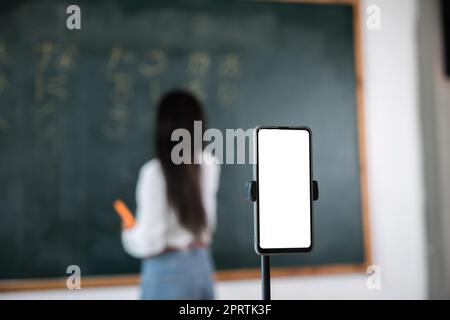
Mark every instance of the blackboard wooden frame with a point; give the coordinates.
(254, 273)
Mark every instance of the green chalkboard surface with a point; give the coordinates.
(77, 113)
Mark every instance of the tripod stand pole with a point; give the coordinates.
(265, 277)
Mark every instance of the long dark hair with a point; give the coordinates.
(179, 109)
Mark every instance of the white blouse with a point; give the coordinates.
(157, 226)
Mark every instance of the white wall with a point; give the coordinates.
(395, 179)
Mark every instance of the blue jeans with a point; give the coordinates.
(180, 275)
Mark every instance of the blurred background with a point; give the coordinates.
(371, 79)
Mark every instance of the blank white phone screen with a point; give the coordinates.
(284, 188)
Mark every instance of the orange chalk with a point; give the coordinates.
(124, 213)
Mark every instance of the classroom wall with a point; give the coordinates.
(396, 179)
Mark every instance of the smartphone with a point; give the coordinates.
(283, 175)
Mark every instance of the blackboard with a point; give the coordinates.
(77, 110)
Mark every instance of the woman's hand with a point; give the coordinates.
(125, 214)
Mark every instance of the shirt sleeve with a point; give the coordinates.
(147, 237)
(211, 182)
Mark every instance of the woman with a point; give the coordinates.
(176, 211)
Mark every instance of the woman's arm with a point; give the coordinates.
(147, 237)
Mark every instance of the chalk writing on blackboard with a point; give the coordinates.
(225, 93)
(198, 64)
(197, 71)
(52, 71)
(55, 63)
(119, 56)
(51, 85)
(45, 50)
(45, 120)
(230, 66)
(122, 80)
(155, 64)
(229, 71)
